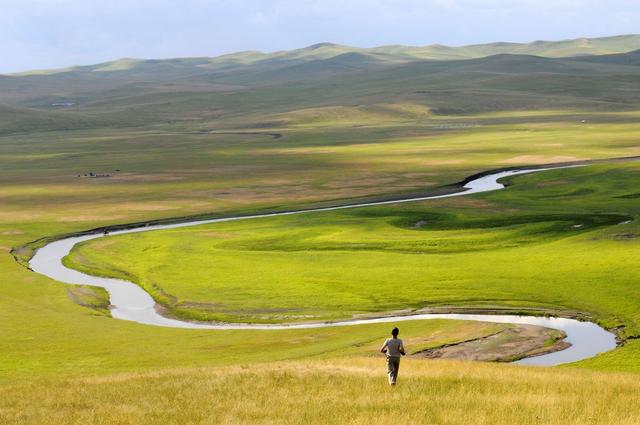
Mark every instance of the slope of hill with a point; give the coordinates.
(253, 88)
(564, 48)
(18, 120)
(168, 68)
(630, 58)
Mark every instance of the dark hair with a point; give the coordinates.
(395, 331)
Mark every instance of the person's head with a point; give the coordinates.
(395, 332)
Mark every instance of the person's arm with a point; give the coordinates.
(384, 347)
(401, 349)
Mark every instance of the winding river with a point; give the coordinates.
(130, 302)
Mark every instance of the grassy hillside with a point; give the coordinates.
(565, 48)
(493, 84)
(16, 120)
(171, 68)
(495, 77)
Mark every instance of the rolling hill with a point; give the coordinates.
(259, 87)
(171, 68)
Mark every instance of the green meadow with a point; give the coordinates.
(311, 128)
(548, 242)
(516, 248)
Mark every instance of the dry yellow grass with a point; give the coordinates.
(540, 159)
(352, 391)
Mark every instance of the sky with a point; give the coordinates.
(44, 34)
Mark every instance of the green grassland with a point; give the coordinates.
(554, 240)
(311, 129)
(174, 174)
(162, 178)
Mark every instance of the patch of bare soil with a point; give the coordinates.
(513, 343)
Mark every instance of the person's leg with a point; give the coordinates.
(392, 366)
(390, 370)
(396, 367)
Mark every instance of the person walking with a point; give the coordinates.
(394, 349)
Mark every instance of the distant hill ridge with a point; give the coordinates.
(392, 54)
(327, 81)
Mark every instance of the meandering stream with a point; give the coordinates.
(130, 302)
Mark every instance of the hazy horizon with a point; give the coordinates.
(46, 34)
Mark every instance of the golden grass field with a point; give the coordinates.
(337, 391)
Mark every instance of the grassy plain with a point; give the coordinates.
(171, 153)
(549, 242)
(562, 240)
(173, 174)
(48, 341)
